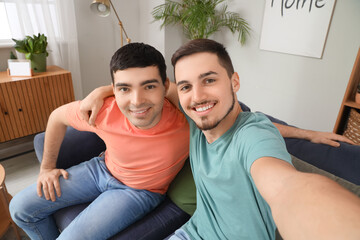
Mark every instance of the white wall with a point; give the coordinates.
(305, 92)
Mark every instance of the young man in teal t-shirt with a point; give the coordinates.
(243, 176)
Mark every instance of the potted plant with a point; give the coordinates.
(357, 94)
(201, 18)
(34, 49)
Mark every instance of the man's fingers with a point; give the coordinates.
(45, 191)
(332, 143)
(84, 115)
(94, 112)
(57, 188)
(341, 138)
(51, 191)
(39, 189)
(345, 139)
(64, 173)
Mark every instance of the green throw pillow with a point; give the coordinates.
(182, 190)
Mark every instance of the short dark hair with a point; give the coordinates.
(140, 55)
(205, 45)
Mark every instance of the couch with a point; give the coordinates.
(342, 164)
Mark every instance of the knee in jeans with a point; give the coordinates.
(19, 208)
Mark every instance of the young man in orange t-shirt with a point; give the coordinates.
(131, 178)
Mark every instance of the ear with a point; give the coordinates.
(166, 85)
(235, 81)
(113, 88)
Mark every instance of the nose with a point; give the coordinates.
(198, 94)
(137, 98)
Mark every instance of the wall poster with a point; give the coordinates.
(297, 27)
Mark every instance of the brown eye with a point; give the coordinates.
(184, 88)
(123, 89)
(148, 87)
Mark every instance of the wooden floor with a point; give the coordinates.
(20, 163)
(21, 171)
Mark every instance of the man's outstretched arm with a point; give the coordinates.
(304, 205)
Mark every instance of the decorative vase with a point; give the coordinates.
(38, 62)
(357, 98)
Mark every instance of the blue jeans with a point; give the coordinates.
(179, 235)
(114, 206)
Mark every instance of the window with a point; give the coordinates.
(36, 21)
(5, 34)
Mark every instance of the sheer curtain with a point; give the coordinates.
(56, 19)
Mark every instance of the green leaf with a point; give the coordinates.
(28, 56)
(12, 55)
(29, 45)
(201, 18)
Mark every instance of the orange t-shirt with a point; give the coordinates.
(142, 159)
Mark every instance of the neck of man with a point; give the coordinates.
(213, 134)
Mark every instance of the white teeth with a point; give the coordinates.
(138, 112)
(200, 109)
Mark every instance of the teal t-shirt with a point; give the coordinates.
(229, 205)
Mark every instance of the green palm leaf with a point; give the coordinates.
(201, 18)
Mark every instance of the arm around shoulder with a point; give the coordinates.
(92, 103)
(328, 138)
(306, 206)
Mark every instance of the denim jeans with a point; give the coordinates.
(114, 206)
(179, 235)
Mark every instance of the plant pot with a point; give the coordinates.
(38, 62)
(357, 98)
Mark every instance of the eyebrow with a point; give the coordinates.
(200, 77)
(206, 74)
(120, 84)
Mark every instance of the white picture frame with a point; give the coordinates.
(297, 27)
(19, 68)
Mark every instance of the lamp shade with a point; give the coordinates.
(100, 7)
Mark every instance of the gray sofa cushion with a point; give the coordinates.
(306, 167)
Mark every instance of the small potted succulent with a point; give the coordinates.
(34, 49)
(357, 94)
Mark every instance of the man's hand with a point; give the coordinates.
(328, 138)
(48, 182)
(89, 108)
(92, 103)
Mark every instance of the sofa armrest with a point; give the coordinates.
(343, 161)
(76, 147)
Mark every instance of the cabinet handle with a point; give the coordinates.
(20, 109)
(5, 112)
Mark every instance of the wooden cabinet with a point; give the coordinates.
(348, 102)
(26, 102)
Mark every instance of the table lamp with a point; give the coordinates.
(102, 8)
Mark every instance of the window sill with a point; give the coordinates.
(6, 44)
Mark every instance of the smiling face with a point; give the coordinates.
(206, 92)
(139, 94)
